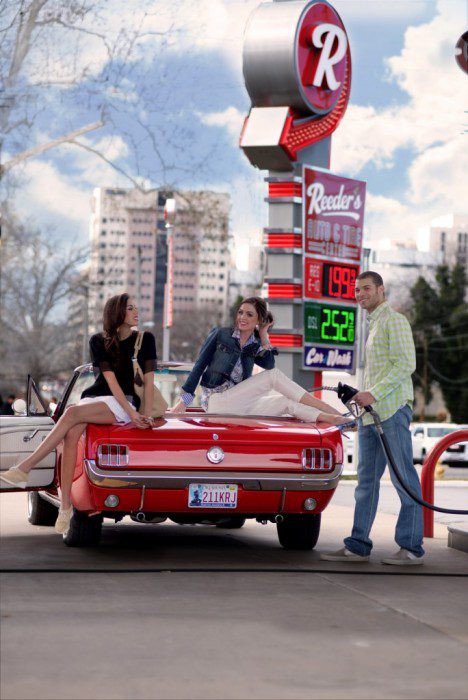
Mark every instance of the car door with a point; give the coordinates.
(19, 437)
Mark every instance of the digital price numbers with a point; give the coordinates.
(329, 324)
(329, 280)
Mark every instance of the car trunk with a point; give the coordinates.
(254, 443)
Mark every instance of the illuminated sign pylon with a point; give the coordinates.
(297, 70)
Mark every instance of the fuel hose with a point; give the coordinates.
(346, 394)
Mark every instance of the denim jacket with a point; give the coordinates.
(219, 354)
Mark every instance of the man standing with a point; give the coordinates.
(388, 366)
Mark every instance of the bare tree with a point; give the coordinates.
(37, 280)
(190, 330)
(69, 68)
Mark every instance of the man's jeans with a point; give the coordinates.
(371, 466)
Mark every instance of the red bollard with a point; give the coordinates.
(427, 475)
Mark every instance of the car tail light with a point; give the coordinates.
(113, 456)
(317, 459)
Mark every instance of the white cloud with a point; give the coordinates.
(231, 118)
(430, 124)
(48, 192)
(370, 10)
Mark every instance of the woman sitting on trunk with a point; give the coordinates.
(225, 366)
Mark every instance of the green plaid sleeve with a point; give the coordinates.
(401, 358)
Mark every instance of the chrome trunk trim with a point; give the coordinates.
(255, 481)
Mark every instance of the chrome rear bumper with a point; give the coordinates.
(255, 481)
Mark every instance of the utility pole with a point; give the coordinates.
(84, 346)
(138, 276)
(169, 217)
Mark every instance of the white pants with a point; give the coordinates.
(269, 393)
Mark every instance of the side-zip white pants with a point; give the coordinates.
(269, 393)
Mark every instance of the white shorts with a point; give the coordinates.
(121, 416)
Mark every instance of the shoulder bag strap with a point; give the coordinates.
(138, 343)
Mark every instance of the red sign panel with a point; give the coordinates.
(333, 215)
(329, 280)
(323, 56)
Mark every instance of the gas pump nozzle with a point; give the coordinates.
(345, 394)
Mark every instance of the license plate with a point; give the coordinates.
(212, 496)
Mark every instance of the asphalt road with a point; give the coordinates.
(165, 631)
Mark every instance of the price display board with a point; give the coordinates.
(329, 324)
(329, 280)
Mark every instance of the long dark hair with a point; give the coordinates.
(113, 316)
(260, 305)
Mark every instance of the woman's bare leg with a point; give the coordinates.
(97, 412)
(70, 450)
(310, 400)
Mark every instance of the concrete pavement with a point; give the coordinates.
(316, 630)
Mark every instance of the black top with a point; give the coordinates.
(123, 368)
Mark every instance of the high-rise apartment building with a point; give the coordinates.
(201, 255)
(128, 251)
(451, 240)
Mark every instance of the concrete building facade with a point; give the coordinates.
(451, 241)
(128, 251)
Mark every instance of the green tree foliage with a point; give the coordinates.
(439, 317)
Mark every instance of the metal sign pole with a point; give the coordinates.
(169, 216)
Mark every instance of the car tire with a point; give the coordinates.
(233, 523)
(84, 530)
(299, 531)
(40, 511)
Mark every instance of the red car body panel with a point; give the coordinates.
(263, 455)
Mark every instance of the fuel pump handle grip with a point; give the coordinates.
(346, 393)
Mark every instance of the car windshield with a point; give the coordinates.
(169, 382)
(439, 432)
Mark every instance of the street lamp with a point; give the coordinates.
(169, 218)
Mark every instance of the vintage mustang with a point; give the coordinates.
(193, 467)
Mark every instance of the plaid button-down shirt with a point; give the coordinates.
(390, 360)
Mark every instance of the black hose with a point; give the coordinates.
(406, 488)
(346, 394)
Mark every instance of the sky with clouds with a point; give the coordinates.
(180, 101)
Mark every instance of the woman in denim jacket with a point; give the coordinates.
(224, 369)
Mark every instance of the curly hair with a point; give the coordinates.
(260, 305)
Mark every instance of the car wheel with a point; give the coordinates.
(40, 511)
(233, 523)
(299, 531)
(84, 530)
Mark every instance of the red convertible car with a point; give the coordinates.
(193, 467)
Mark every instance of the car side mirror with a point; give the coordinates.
(19, 407)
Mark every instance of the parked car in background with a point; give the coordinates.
(349, 441)
(456, 455)
(425, 435)
(192, 467)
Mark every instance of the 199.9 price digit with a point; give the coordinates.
(341, 282)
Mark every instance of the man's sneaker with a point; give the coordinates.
(63, 520)
(344, 554)
(15, 477)
(403, 558)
